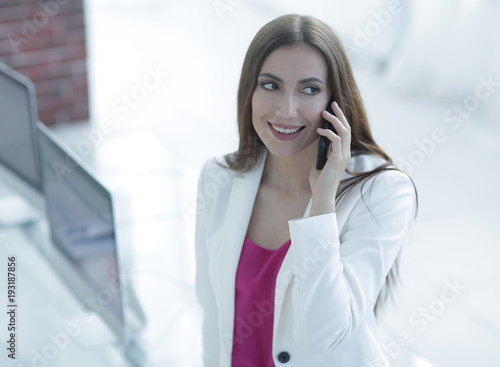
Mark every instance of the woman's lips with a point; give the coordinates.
(283, 135)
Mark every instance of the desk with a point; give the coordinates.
(52, 334)
(45, 308)
(160, 239)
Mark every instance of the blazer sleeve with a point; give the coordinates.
(204, 289)
(337, 277)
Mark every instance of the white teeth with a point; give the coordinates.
(286, 131)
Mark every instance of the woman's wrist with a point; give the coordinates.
(319, 207)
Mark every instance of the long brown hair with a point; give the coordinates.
(295, 30)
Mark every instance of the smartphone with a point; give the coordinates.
(324, 142)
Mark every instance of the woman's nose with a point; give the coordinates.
(287, 108)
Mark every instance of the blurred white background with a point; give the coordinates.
(429, 73)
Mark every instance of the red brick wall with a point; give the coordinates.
(45, 41)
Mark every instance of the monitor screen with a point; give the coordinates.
(17, 120)
(81, 221)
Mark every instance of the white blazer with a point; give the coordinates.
(329, 279)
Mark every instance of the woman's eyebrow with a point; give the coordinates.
(302, 81)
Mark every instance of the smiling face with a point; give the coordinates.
(292, 91)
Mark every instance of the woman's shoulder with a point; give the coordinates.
(216, 164)
(217, 170)
(224, 163)
(389, 179)
(365, 162)
(388, 190)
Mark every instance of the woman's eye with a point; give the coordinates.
(311, 90)
(269, 86)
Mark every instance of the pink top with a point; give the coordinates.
(254, 304)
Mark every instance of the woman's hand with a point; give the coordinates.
(324, 183)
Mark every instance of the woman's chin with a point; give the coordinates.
(296, 152)
(283, 152)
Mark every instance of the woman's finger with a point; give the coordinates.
(337, 123)
(342, 127)
(335, 142)
(329, 134)
(340, 115)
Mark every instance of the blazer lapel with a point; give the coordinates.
(241, 201)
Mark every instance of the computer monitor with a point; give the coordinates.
(80, 215)
(35, 166)
(85, 247)
(21, 200)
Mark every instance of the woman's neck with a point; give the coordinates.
(289, 175)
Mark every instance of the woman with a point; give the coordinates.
(292, 260)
